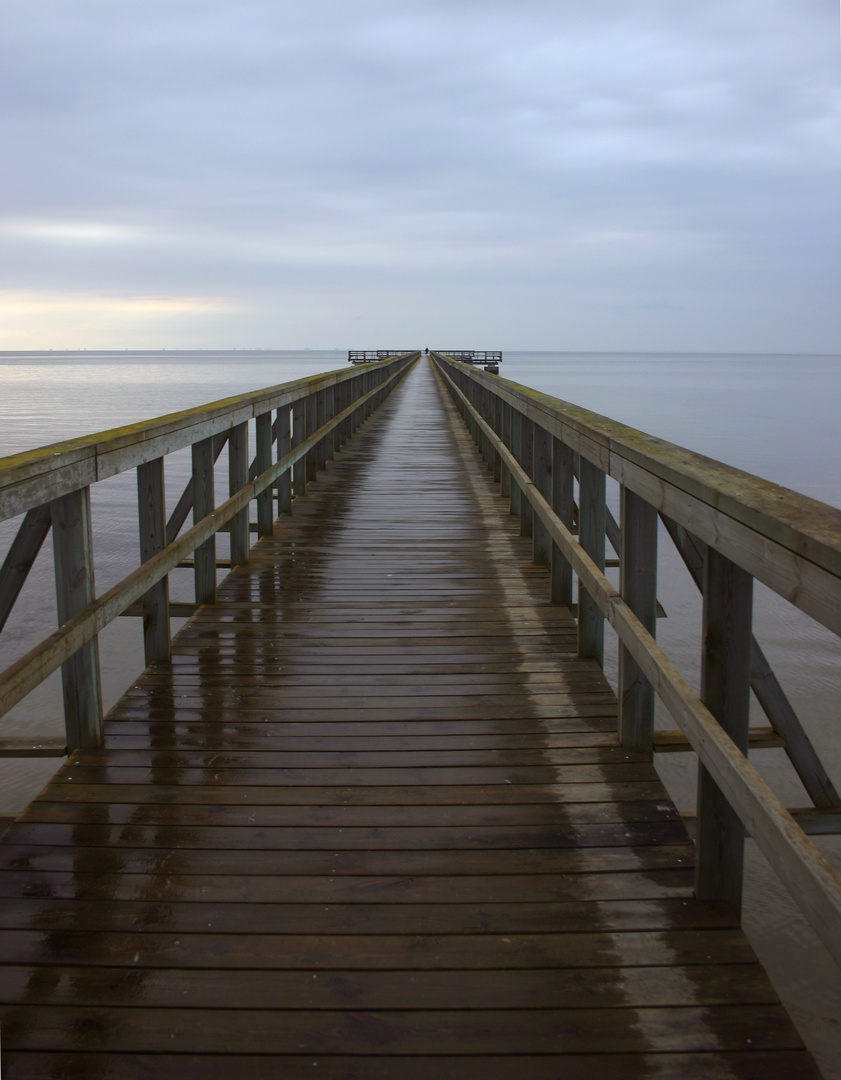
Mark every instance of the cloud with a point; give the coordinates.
(250, 149)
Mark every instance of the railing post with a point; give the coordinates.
(320, 421)
(563, 503)
(338, 406)
(265, 508)
(284, 445)
(526, 459)
(74, 586)
(496, 409)
(203, 503)
(725, 690)
(542, 551)
(591, 492)
(151, 515)
(331, 440)
(487, 449)
(638, 585)
(344, 400)
(299, 434)
(311, 415)
(505, 435)
(237, 479)
(514, 488)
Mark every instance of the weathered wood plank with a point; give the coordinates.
(20, 557)
(376, 804)
(74, 577)
(638, 586)
(151, 509)
(725, 690)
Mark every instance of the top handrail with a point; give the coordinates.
(789, 541)
(513, 423)
(36, 476)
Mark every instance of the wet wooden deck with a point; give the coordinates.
(373, 821)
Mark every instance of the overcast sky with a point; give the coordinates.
(568, 174)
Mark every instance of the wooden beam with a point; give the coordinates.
(790, 542)
(527, 461)
(203, 505)
(21, 556)
(284, 445)
(541, 546)
(515, 428)
(320, 420)
(591, 497)
(29, 670)
(299, 435)
(638, 586)
(38, 476)
(176, 610)
(505, 437)
(765, 685)
(151, 514)
(725, 690)
(25, 748)
(185, 503)
(675, 742)
(563, 504)
(263, 461)
(74, 579)
(237, 480)
(311, 421)
(812, 881)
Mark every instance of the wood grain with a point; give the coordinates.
(373, 820)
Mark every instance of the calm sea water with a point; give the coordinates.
(776, 416)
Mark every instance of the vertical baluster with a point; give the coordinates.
(237, 479)
(151, 514)
(483, 439)
(265, 509)
(563, 503)
(361, 383)
(203, 504)
(311, 422)
(346, 399)
(638, 585)
(320, 421)
(725, 690)
(505, 484)
(496, 407)
(330, 442)
(542, 551)
(591, 492)
(339, 438)
(514, 488)
(527, 461)
(284, 445)
(488, 418)
(299, 434)
(74, 586)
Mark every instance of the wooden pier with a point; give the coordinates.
(372, 818)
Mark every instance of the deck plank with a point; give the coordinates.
(373, 821)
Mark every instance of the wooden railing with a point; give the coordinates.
(730, 527)
(306, 420)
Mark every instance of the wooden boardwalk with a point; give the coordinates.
(373, 821)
